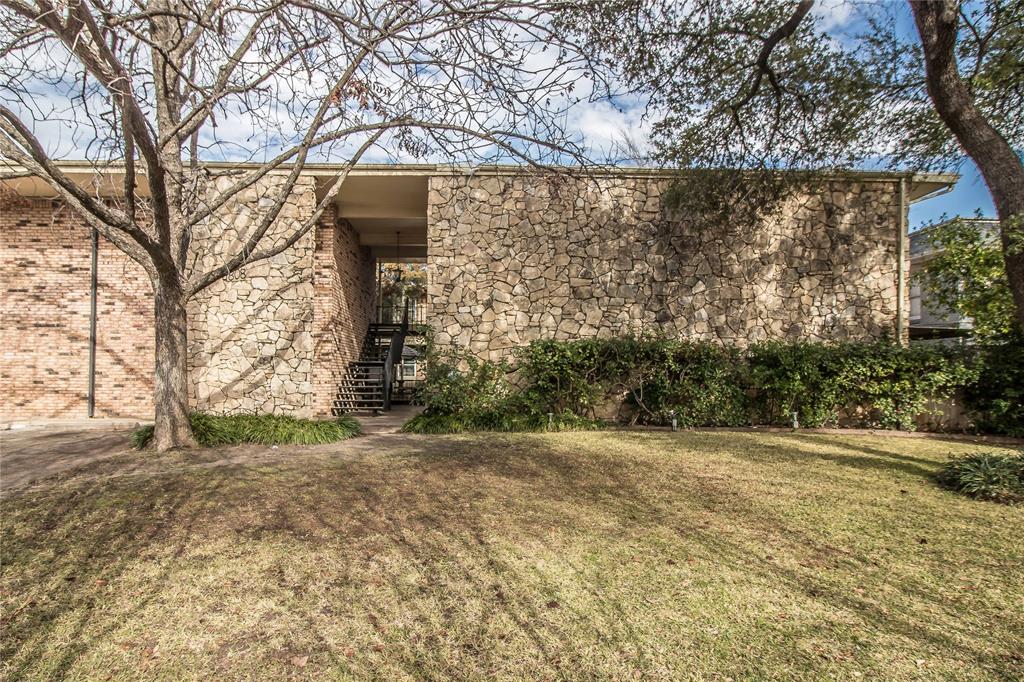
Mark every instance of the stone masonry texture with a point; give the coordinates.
(250, 334)
(520, 258)
(512, 259)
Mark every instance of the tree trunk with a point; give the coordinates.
(171, 395)
(999, 164)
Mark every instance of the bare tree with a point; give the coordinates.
(161, 88)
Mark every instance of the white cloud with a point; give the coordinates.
(606, 129)
(832, 14)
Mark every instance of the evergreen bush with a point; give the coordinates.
(988, 476)
(869, 384)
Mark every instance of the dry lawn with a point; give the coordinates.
(562, 556)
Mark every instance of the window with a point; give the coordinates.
(915, 301)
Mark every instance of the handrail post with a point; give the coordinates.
(395, 355)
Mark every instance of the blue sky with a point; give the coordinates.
(600, 127)
(969, 196)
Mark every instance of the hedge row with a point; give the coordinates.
(880, 385)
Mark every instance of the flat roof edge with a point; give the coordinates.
(505, 169)
(925, 183)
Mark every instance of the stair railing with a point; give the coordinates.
(395, 355)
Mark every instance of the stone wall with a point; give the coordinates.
(250, 334)
(273, 337)
(44, 318)
(520, 258)
(343, 305)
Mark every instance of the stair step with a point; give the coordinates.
(362, 388)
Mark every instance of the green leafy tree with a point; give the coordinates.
(781, 85)
(967, 275)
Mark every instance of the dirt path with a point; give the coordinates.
(35, 455)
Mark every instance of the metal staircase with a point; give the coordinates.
(368, 382)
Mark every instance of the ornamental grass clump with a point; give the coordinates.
(992, 476)
(266, 429)
(270, 429)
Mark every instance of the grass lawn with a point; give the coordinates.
(568, 556)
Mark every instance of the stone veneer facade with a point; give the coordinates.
(512, 259)
(515, 259)
(272, 337)
(250, 334)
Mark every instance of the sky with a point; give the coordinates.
(968, 196)
(600, 126)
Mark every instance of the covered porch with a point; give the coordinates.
(386, 208)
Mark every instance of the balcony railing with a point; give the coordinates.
(391, 313)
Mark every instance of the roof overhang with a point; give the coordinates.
(387, 203)
(108, 179)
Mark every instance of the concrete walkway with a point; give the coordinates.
(29, 454)
(78, 424)
(389, 422)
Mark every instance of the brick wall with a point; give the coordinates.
(44, 318)
(343, 305)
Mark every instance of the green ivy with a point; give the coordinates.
(566, 384)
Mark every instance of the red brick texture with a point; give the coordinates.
(44, 318)
(344, 297)
(44, 336)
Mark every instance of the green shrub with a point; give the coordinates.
(213, 430)
(873, 384)
(456, 385)
(894, 383)
(463, 393)
(702, 383)
(890, 385)
(996, 399)
(283, 430)
(987, 476)
(801, 377)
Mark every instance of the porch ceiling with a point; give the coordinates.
(383, 207)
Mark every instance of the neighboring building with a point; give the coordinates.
(928, 318)
(510, 257)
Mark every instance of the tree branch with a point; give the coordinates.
(763, 65)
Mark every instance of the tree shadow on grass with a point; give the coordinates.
(461, 515)
(611, 488)
(810, 447)
(82, 540)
